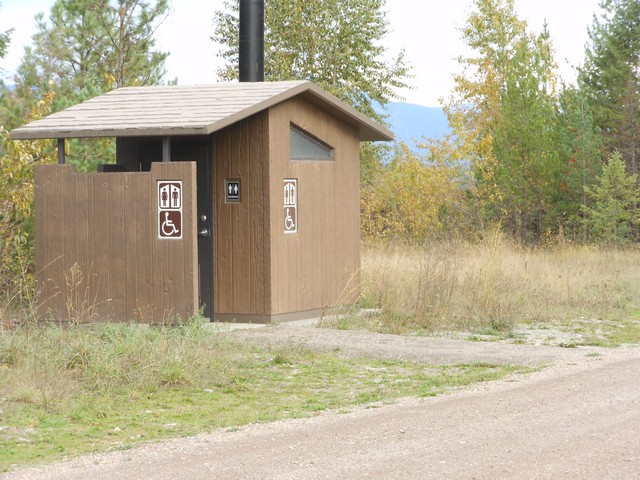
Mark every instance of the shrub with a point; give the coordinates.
(17, 242)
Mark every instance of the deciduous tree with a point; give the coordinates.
(338, 44)
(411, 197)
(503, 116)
(492, 31)
(16, 207)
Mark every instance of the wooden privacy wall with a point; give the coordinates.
(98, 256)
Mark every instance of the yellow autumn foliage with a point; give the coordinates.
(411, 197)
(17, 159)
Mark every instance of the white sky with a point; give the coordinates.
(426, 29)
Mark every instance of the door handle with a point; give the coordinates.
(204, 232)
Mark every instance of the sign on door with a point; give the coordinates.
(170, 209)
(290, 205)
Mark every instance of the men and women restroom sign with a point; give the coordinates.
(290, 205)
(170, 209)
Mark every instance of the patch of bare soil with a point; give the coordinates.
(436, 350)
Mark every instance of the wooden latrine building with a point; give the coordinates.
(240, 199)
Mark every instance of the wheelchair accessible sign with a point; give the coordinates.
(170, 209)
(290, 205)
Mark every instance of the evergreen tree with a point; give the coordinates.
(504, 120)
(338, 44)
(611, 77)
(581, 150)
(612, 217)
(5, 38)
(86, 48)
(528, 170)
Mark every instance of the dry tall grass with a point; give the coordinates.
(496, 285)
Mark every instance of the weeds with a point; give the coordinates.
(79, 306)
(495, 286)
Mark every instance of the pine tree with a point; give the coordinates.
(83, 49)
(612, 217)
(581, 151)
(611, 77)
(525, 138)
(504, 120)
(5, 38)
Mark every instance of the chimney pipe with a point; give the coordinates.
(251, 41)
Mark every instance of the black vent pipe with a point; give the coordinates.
(251, 40)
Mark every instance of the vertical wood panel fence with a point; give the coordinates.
(98, 255)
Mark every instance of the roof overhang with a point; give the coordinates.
(187, 110)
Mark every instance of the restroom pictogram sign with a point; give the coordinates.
(170, 209)
(290, 205)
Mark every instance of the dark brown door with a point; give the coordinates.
(200, 152)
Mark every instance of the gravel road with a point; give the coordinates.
(577, 419)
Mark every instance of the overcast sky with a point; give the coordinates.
(426, 29)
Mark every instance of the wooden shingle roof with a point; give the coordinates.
(186, 110)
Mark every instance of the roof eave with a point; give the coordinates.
(29, 134)
(368, 129)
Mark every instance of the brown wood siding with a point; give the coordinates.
(241, 234)
(319, 266)
(104, 228)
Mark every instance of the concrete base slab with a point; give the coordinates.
(229, 326)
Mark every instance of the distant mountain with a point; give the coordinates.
(410, 122)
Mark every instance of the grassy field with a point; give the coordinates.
(66, 391)
(78, 389)
(498, 290)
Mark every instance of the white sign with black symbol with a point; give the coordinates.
(290, 205)
(232, 188)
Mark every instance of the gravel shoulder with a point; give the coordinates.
(578, 418)
(443, 351)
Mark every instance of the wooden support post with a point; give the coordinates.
(61, 155)
(166, 149)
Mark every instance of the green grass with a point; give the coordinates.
(620, 329)
(67, 391)
(610, 333)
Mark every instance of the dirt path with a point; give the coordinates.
(579, 418)
(443, 351)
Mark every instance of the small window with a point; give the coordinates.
(305, 146)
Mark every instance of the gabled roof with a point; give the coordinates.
(186, 110)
